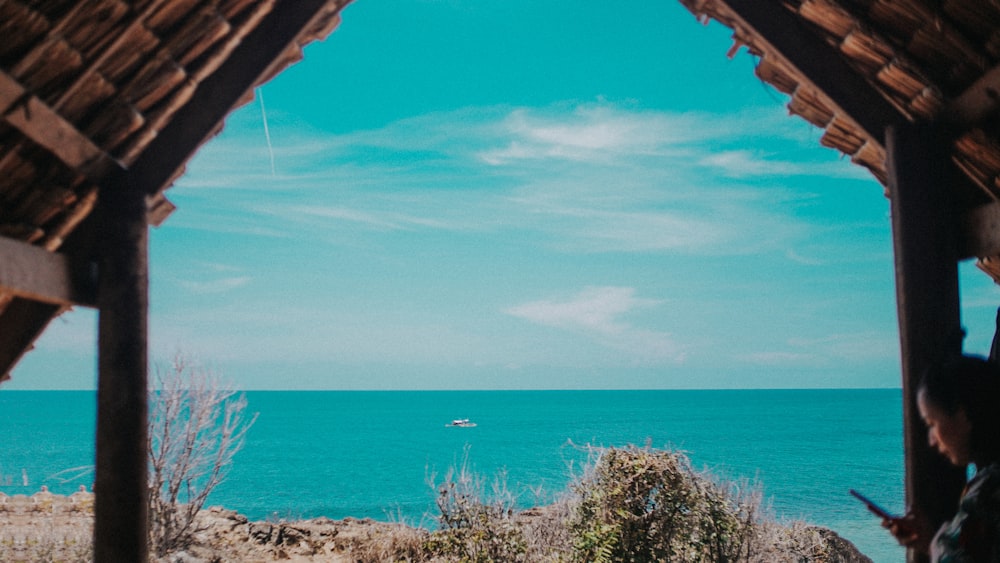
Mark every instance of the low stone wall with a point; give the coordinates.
(46, 527)
(43, 501)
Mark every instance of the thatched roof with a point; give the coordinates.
(91, 89)
(853, 67)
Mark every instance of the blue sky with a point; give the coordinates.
(456, 194)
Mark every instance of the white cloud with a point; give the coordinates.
(794, 256)
(349, 215)
(597, 312)
(742, 163)
(220, 285)
(603, 132)
(590, 133)
(594, 308)
(754, 163)
(585, 177)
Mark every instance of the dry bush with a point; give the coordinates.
(789, 543)
(546, 533)
(639, 504)
(796, 542)
(471, 526)
(197, 424)
(398, 544)
(629, 505)
(47, 546)
(543, 527)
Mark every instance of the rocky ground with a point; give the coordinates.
(53, 528)
(48, 527)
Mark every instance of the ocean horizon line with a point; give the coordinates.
(501, 390)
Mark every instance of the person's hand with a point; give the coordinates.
(910, 531)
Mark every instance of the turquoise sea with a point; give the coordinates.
(370, 454)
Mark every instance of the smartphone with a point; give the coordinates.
(873, 507)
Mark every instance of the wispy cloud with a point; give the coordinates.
(598, 313)
(796, 257)
(586, 177)
(743, 163)
(220, 285)
(593, 309)
(587, 133)
(746, 163)
(207, 278)
(832, 349)
(607, 134)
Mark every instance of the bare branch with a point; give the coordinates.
(197, 424)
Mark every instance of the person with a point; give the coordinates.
(959, 402)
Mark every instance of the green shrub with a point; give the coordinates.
(648, 505)
(629, 505)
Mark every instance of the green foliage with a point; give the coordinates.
(647, 505)
(630, 505)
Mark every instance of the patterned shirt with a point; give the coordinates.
(973, 535)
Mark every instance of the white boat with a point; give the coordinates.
(462, 422)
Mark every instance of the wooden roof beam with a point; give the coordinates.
(46, 127)
(23, 320)
(980, 232)
(819, 64)
(822, 67)
(21, 323)
(31, 272)
(978, 103)
(162, 161)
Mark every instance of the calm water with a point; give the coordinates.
(351, 453)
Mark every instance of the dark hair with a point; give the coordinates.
(972, 384)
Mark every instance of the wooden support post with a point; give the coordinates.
(120, 529)
(924, 231)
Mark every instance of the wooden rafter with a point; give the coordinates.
(163, 159)
(980, 232)
(819, 65)
(215, 97)
(26, 321)
(803, 54)
(978, 103)
(31, 272)
(46, 127)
